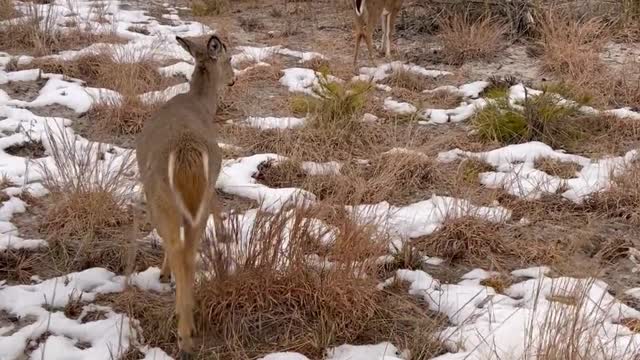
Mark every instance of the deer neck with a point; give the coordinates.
(204, 88)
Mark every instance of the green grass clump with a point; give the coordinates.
(496, 93)
(497, 123)
(551, 123)
(568, 92)
(336, 104)
(542, 119)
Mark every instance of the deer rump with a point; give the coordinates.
(188, 171)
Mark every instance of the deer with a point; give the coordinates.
(367, 15)
(179, 161)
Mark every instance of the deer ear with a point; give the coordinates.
(188, 45)
(215, 47)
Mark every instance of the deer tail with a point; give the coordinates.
(358, 6)
(188, 171)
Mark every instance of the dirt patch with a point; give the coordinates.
(23, 90)
(30, 150)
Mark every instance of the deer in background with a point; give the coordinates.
(179, 161)
(367, 15)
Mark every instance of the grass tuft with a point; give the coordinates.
(126, 117)
(464, 39)
(89, 220)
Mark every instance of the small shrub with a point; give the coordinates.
(275, 12)
(337, 105)
(542, 119)
(498, 88)
(464, 40)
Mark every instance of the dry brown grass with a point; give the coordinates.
(269, 297)
(397, 178)
(475, 242)
(89, 221)
(622, 200)
(565, 170)
(571, 48)
(498, 282)
(297, 306)
(111, 69)
(407, 80)
(105, 70)
(126, 117)
(464, 39)
(38, 35)
(19, 265)
(7, 10)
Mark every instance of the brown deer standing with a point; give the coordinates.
(367, 15)
(179, 161)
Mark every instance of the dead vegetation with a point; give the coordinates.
(7, 10)
(464, 39)
(110, 69)
(116, 69)
(125, 117)
(476, 242)
(266, 282)
(38, 35)
(274, 300)
(395, 177)
(565, 170)
(622, 200)
(89, 221)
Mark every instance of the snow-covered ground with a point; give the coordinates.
(483, 324)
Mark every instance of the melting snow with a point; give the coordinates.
(518, 176)
(424, 217)
(486, 325)
(274, 122)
